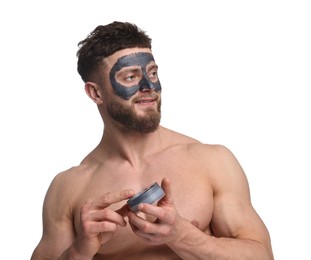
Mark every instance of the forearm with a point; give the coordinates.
(196, 244)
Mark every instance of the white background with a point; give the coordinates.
(235, 73)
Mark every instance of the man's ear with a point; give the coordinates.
(94, 92)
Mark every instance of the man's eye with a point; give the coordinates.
(153, 75)
(130, 78)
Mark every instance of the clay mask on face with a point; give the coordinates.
(141, 59)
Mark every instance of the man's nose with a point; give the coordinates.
(145, 84)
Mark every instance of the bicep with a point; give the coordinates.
(234, 215)
(236, 218)
(52, 244)
(58, 231)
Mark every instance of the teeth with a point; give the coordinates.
(144, 101)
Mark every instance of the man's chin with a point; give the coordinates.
(143, 121)
(146, 124)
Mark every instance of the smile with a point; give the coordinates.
(145, 101)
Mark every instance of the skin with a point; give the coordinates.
(205, 214)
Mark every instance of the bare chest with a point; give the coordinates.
(191, 191)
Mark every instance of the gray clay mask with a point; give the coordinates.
(141, 59)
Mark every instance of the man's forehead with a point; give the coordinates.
(134, 59)
(111, 60)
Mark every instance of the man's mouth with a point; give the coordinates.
(145, 99)
(142, 101)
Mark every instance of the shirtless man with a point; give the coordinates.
(206, 212)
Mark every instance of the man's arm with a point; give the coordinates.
(97, 223)
(238, 232)
(58, 233)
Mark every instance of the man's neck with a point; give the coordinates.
(131, 146)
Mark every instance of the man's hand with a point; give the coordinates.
(165, 228)
(99, 223)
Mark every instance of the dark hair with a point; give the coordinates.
(106, 40)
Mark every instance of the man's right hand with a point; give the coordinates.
(99, 223)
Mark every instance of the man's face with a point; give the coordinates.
(136, 103)
(134, 72)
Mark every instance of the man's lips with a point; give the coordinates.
(145, 100)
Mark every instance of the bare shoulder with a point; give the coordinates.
(79, 171)
(217, 156)
(211, 152)
(224, 170)
(217, 159)
(57, 214)
(63, 192)
(69, 181)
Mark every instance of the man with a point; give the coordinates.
(206, 212)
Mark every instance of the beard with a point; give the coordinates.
(128, 119)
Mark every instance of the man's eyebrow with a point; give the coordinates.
(152, 66)
(130, 69)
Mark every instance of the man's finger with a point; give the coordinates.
(166, 186)
(161, 214)
(108, 215)
(123, 211)
(111, 198)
